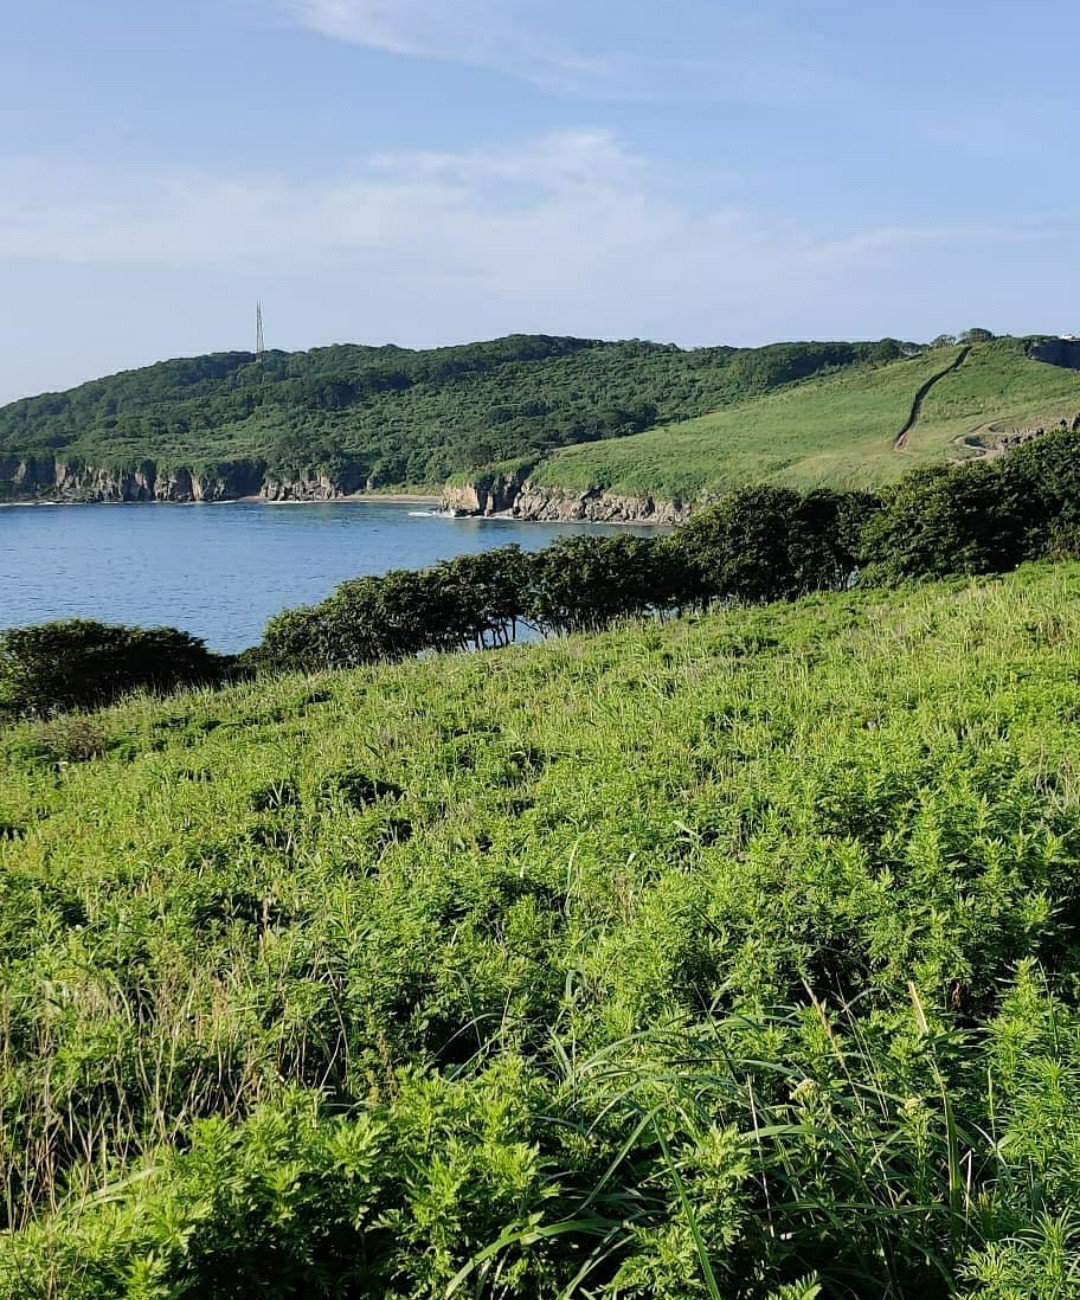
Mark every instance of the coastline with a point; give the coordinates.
(359, 498)
(356, 498)
(569, 514)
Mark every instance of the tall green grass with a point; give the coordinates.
(734, 957)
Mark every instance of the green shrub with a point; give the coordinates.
(79, 664)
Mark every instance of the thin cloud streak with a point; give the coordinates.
(729, 58)
(475, 32)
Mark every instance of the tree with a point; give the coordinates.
(943, 520)
(52, 668)
(739, 548)
(1041, 486)
(583, 584)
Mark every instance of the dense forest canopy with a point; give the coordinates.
(393, 416)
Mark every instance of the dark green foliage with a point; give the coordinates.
(80, 664)
(583, 584)
(390, 416)
(1040, 483)
(980, 517)
(766, 543)
(941, 520)
(977, 335)
(471, 601)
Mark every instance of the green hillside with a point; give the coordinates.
(636, 419)
(398, 417)
(836, 430)
(998, 388)
(734, 957)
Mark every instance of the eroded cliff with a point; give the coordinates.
(53, 479)
(518, 496)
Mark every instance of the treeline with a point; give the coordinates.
(394, 417)
(757, 545)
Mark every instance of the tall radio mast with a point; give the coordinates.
(260, 342)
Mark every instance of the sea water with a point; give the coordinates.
(220, 571)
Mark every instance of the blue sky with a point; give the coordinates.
(435, 171)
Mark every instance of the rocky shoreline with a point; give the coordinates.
(530, 501)
(48, 480)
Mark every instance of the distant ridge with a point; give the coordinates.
(545, 426)
(381, 417)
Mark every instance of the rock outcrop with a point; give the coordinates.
(489, 494)
(596, 506)
(519, 497)
(44, 478)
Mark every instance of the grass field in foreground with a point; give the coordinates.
(836, 431)
(705, 959)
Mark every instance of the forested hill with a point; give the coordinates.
(387, 416)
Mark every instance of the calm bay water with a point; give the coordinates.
(220, 571)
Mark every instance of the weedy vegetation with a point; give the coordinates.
(731, 956)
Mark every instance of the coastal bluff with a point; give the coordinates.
(515, 495)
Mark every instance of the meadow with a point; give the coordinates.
(729, 956)
(835, 430)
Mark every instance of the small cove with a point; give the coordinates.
(220, 571)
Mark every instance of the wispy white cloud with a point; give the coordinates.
(497, 34)
(568, 232)
(568, 197)
(714, 52)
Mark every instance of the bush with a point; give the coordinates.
(765, 543)
(52, 668)
(583, 584)
(944, 520)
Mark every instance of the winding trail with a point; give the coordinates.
(916, 406)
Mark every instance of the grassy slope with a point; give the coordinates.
(996, 386)
(835, 431)
(418, 418)
(594, 837)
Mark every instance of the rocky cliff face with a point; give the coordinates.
(596, 506)
(491, 494)
(524, 499)
(49, 479)
(311, 487)
(44, 478)
(1058, 352)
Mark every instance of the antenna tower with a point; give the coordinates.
(260, 342)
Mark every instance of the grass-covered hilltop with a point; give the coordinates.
(546, 427)
(734, 956)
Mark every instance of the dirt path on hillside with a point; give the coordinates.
(972, 443)
(989, 441)
(916, 406)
